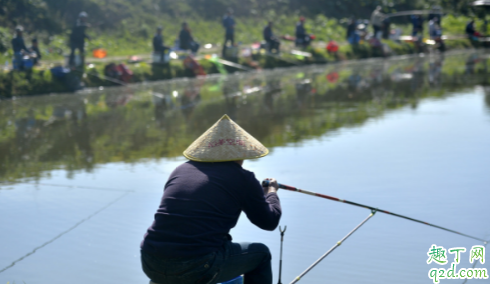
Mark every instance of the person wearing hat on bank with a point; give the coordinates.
(189, 239)
(19, 46)
(302, 38)
(77, 38)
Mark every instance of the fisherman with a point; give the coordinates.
(273, 42)
(351, 28)
(470, 29)
(433, 28)
(186, 40)
(189, 239)
(19, 47)
(302, 38)
(417, 25)
(35, 49)
(158, 47)
(229, 25)
(77, 38)
(435, 12)
(377, 20)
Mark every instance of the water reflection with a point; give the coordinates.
(158, 120)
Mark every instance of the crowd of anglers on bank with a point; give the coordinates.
(357, 30)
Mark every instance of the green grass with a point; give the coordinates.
(132, 42)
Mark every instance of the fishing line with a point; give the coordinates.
(265, 183)
(76, 186)
(65, 232)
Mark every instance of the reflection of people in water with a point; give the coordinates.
(190, 98)
(303, 91)
(27, 128)
(435, 71)
(470, 64)
(162, 103)
(230, 92)
(114, 100)
(272, 90)
(418, 74)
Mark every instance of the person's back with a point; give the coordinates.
(78, 34)
(300, 30)
(229, 24)
(18, 44)
(157, 42)
(185, 38)
(267, 33)
(201, 203)
(470, 28)
(377, 18)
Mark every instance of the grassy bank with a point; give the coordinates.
(131, 42)
(41, 81)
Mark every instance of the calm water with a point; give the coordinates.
(82, 175)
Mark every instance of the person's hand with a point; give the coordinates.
(273, 187)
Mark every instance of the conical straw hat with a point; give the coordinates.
(225, 141)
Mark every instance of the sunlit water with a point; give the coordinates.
(82, 175)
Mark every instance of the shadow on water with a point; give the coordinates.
(280, 107)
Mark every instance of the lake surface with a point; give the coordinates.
(82, 174)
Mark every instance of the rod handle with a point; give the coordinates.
(266, 183)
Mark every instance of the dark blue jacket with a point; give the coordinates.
(229, 24)
(18, 44)
(300, 31)
(268, 35)
(158, 43)
(185, 39)
(201, 202)
(78, 34)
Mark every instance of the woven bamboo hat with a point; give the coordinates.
(225, 141)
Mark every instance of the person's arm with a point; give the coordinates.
(262, 205)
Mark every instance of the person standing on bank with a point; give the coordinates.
(377, 18)
(77, 38)
(189, 240)
(158, 46)
(19, 47)
(229, 25)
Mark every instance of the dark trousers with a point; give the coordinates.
(233, 259)
(376, 29)
(229, 37)
(81, 50)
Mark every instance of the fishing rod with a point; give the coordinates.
(266, 183)
(333, 248)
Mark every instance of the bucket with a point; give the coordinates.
(28, 62)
